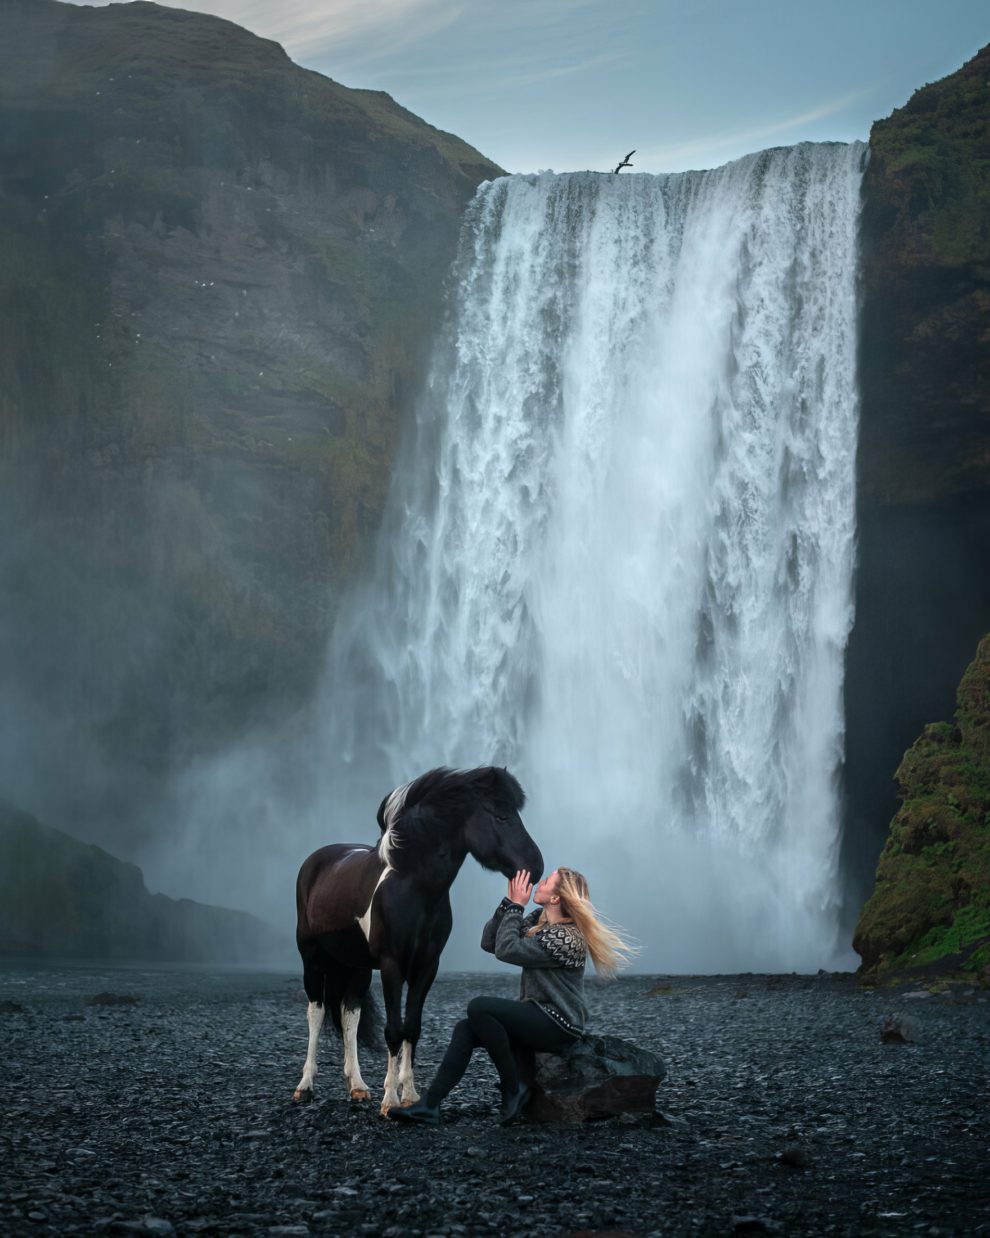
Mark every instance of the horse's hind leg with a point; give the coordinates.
(357, 986)
(314, 982)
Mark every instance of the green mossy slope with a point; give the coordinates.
(930, 909)
(925, 360)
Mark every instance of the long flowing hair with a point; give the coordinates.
(608, 948)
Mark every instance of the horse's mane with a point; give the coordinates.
(441, 792)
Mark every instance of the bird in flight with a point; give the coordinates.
(625, 163)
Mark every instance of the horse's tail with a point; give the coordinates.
(371, 1029)
(342, 988)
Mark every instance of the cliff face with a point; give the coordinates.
(931, 904)
(217, 274)
(63, 898)
(923, 589)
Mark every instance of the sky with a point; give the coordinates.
(574, 84)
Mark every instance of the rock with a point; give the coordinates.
(795, 1155)
(112, 999)
(754, 1225)
(157, 1225)
(11, 1008)
(899, 1029)
(599, 1077)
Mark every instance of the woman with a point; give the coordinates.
(551, 945)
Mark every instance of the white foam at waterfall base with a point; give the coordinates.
(619, 545)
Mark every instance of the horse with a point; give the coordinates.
(387, 907)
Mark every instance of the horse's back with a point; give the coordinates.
(334, 888)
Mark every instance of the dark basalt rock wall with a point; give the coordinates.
(218, 272)
(63, 898)
(923, 586)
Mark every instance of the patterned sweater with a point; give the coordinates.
(552, 961)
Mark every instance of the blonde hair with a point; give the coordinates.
(608, 948)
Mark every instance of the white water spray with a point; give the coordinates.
(618, 554)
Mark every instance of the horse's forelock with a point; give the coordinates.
(506, 791)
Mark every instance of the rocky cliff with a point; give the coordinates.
(931, 905)
(67, 899)
(217, 274)
(923, 588)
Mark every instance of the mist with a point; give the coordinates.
(617, 557)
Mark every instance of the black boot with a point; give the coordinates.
(513, 1104)
(422, 1113)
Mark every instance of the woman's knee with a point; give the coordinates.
(462, 1032)
(477, 1007)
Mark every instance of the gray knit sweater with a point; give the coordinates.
(552, 961)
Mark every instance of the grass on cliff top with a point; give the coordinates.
(139, 64)
(932, 896)
(937, 143)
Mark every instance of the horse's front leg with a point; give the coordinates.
(420, 984)
(392, 992)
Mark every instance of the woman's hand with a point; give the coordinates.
(520, 887)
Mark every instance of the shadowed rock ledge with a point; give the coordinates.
(63, 898)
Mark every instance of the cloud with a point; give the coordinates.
(707, 149)
(307, 28)
(499, 76)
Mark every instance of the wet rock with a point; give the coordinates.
(112, 999)
(899, 1029)
(754, 1225)
(11, 1008)
(599, 1077)
(795, 1156)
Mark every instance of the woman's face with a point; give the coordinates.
(547, 888)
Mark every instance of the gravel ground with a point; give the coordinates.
(782, 1113)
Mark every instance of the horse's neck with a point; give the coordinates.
(436, 867)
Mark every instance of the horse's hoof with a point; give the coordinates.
(360, 1094)
(303, 1095)
(385, 1107)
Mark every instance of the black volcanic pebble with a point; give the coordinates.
(780, 1114)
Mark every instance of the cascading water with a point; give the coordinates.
(618, 552)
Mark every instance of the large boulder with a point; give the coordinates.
(599, 1077)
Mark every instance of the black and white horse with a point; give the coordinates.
(388, 907)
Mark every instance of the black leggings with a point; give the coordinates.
(500, 1025)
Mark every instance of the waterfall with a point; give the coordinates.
(619, 546)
